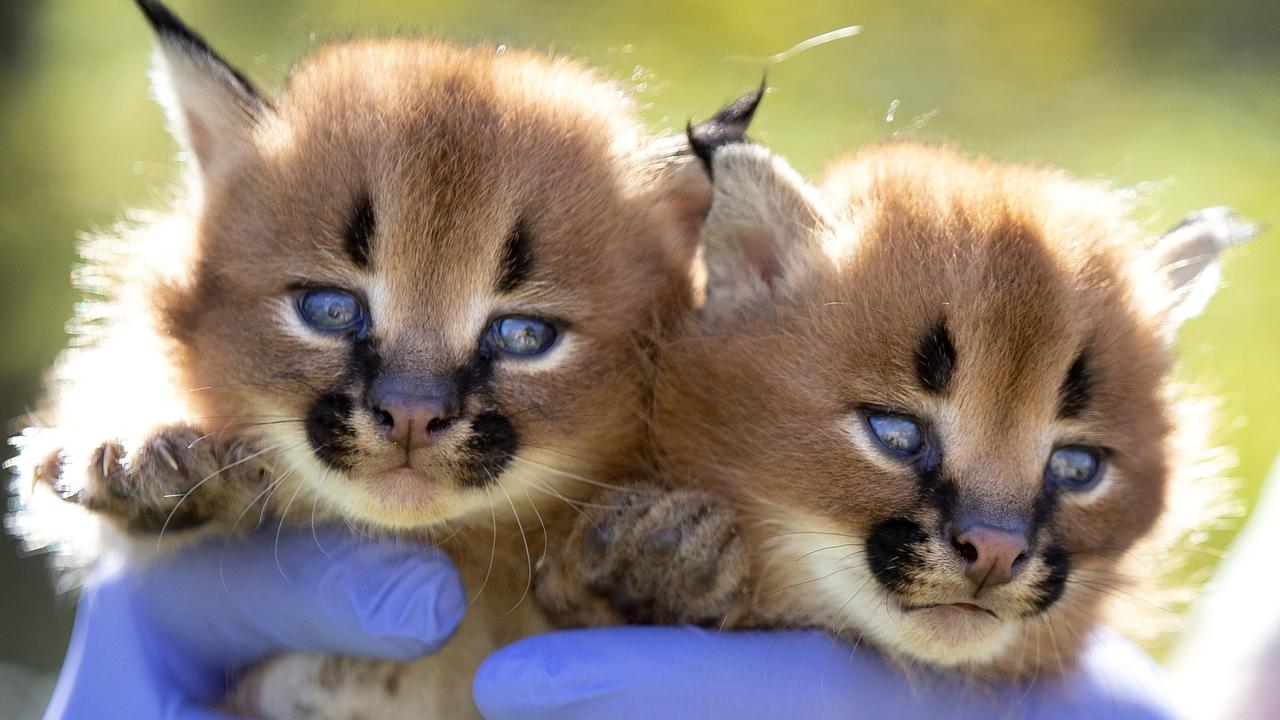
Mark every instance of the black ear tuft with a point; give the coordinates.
(170, 29)
(725, 127)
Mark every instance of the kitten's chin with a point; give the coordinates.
(401, 498)
(953, 635)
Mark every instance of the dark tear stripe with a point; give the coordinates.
(935, 359)
(364, 364)
(1043, 508)
(940, 493)
(1077, 387)
(517, 259)
(359, 231)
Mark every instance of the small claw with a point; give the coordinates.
(163, 450)
(66, 492)
(108, 458)
(47, 472)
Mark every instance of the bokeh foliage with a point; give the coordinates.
(1178, 98)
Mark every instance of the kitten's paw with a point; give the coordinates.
(171, 481)
(662, 556)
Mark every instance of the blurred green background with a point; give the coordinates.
(1180, 98)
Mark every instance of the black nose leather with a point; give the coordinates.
(992, 555)
(413, 408)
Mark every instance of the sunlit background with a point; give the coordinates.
(1179, 98)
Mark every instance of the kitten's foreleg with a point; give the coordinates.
(648, 555)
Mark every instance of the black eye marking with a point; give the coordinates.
(1044, 506)
(1077, 387)
(364, 363)
(935, 359)
(939, 492)
(491, 447)
(517, 259)
(329, 428)
(474, 374)
(359, 231)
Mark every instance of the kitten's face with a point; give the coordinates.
(423, 279)
(955, 424)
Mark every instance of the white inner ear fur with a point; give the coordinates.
(1187, 258)
(766, 229)
(209, 112)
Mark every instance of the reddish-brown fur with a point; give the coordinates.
(817, 304)
(1028, 268)
(198, 336)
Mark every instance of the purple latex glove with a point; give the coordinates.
(681, 672)
(163, 643)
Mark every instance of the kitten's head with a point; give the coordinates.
(421, 271)
(937, 388)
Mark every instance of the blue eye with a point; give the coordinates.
(901, 435)
(330, 310)
(519, 335)
(1074, 467)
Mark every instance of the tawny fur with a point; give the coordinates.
(817, 302)
(190, 358)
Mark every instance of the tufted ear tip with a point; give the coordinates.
(1188, 257)
(726, 127)
(211, 105)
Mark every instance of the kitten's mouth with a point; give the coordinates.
(965, 607)
(401, 474)
(407, 489)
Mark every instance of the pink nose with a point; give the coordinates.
(412, 409)
(992, 555)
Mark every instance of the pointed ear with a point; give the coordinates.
(765, 233)
(726, 127)
(211, 106)
(1187, 260)
(683, 177)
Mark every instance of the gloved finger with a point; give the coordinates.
(192, 712)
(227, 603)
(654, 672)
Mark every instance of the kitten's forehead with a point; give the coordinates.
(998, 306)
(440, 180)
(1022, 279)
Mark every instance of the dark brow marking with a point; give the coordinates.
(1077, 387)
(517, 259)
(359, 230)
(935, 359)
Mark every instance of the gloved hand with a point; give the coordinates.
(164, 642)
(682, 672)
